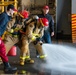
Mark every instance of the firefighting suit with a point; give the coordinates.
(11, 34)
(32, 33)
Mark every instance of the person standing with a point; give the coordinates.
(48, 31)
(4, 19)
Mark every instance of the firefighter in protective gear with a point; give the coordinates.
(34, 31)
(44, 22)
(24, 14)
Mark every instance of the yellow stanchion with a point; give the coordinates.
(6, 3)
(2, 6)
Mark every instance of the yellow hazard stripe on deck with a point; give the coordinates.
(73, 21)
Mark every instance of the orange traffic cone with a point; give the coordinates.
(12, 51)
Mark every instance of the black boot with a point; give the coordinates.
(8, 69)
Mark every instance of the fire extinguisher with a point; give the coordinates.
(13, 51)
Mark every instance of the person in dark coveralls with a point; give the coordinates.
(4, 19)
(49, 31)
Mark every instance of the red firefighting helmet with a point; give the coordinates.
(24, 14)
(43, 21)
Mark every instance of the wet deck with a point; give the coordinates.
(28, 69)
(32, 69)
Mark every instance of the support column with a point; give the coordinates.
(73, 21)
(2, 6)
(15, 4)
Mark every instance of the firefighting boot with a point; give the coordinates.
(43, 56)
(29, 60)
(8, 69)
(22, 61)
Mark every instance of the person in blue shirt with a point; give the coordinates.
(4, 19)
(49, 31)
